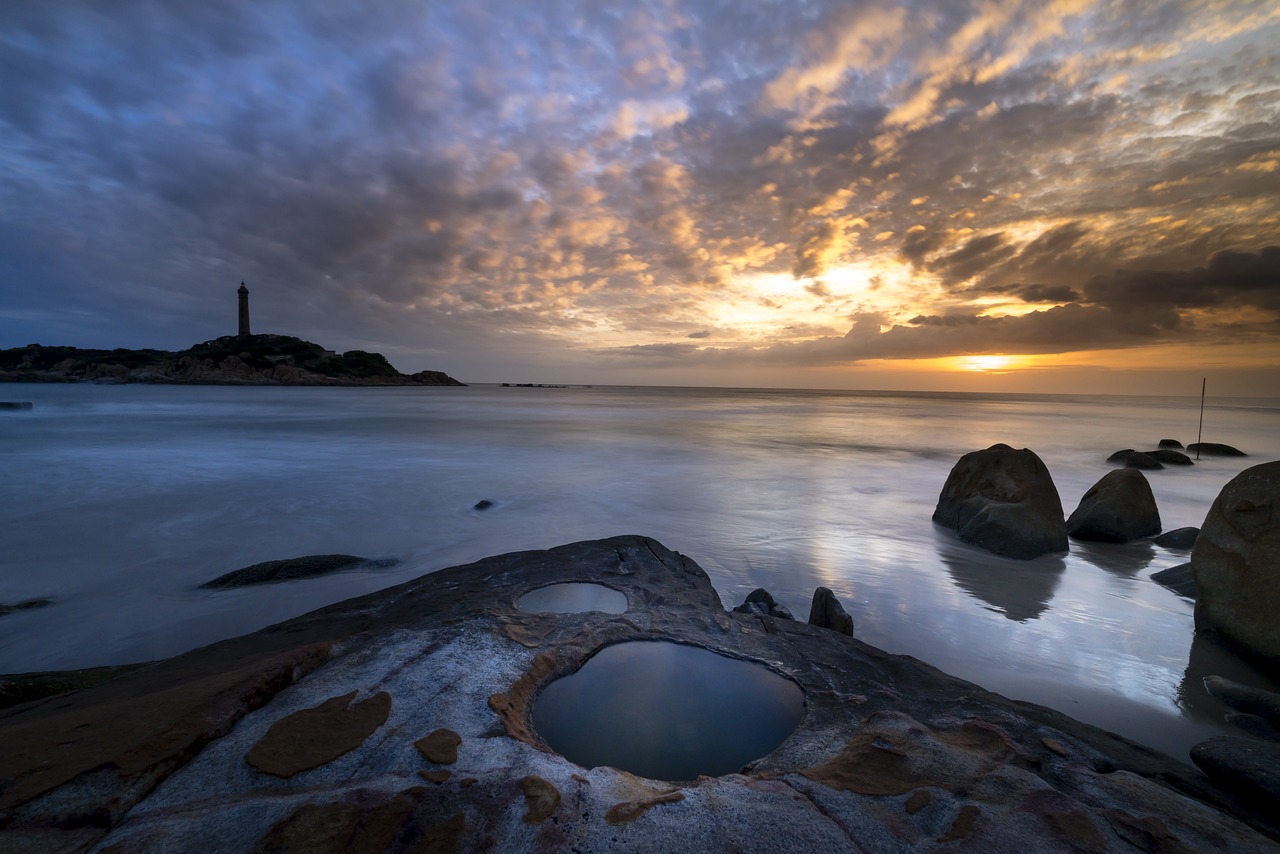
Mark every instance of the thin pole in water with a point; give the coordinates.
(1200, 432)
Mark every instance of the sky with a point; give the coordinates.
(1057, 196)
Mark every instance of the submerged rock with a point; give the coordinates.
(1215, 449)
(1246, 766)
(1135, 459)
(826, 612)
(1118, 508)
(889, 754)
(1245, 698)
(1170, 457)
(759, 601)
(1178, 579)
(1236, 562)
(1178, 538)
(25, 605)
(1004, 501)
(289, 569)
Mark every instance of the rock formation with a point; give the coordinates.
(1178, 538)
(1215, 449)
(1118, 508)
(759, 601)
(401, 721)
(1003, 501)
(1178, 579)
(293, 568)
(1236, 563)
(826, 612)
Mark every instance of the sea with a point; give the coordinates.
(118, 501)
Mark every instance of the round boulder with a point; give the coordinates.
(1236, 563)
(1003, 500)
(1116, 509)
(1169, 443)
(1215, 449)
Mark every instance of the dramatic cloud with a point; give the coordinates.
(491, 187)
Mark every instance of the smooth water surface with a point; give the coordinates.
(573, 597)
(118, 501)
(667, 711)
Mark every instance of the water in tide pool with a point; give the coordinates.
(116, 502)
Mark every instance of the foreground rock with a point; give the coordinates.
(1005, 502)
(1236, 563)
(400, 721)
(1117, 509)
(291, 569)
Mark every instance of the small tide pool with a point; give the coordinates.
(667, 711)
(573, 598)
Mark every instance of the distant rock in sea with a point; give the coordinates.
(290, 569)
(1215, 449)
(230, 360)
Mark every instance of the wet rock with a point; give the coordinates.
(483, 504)
(1004, 501)
(1170, 457)
(1253, 725)
(7, 608)
(1215, 449)
(313, 737)
(1245, 698)
(1246, 766)
(14, 405)
(1178, 578)
(1178, 538)
(1236, 563)
(1135, 459)
(760, 602)
(1169, 443)
(1117, 509)
(826, 612)
(290, 569)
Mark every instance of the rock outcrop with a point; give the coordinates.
(1118, 508)
(1004, 501)
(1236, 563)
(291, 569)
(826, 612)
(760, 601)
(401, 721)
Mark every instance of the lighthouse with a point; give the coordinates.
(244, 310)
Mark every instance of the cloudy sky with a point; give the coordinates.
(1065, 195)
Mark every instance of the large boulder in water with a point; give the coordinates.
(1004, 501)
(1236, 563)
(1118, 508)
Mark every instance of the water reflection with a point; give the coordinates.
(1123, 559)
(1208, 657)
(573, 597)
(667, 711)
(1018, 589)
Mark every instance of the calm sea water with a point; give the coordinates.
(117, 501)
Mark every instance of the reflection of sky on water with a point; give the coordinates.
(119, 501)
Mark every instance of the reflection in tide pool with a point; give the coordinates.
(117, 502)
(573, 598)
(667, 711)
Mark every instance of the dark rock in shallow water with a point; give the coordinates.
(155, 759)
(483, 504)
(1178, 579)
(759, 601)
(15, 404)
(1178, 538)
(1169, 443)
(1249, 767)
(1135, 459)
(1004, 501)
(1118, 508)
(1245, 698)
(1170, 457)
(1214, 449)
(27, 605)
(292, 568)
(826, 612)
(1236, 562)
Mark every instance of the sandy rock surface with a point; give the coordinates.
(401, 721)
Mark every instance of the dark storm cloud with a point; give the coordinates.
(404, 170)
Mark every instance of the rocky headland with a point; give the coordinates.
(403, 721)
(230, 360)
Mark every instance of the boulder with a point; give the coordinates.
(1170, 457)
(1169, 443)
(1178, 579)
(1215, 449)
(759, 601)
(1135, 459)
(1245, 698)
(826, 612)
(1249, 767)
(291, 568)
(1178, 538)
(1116, 509)
(1236, 563)
(1003, 500)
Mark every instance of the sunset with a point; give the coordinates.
(650, 426)
(835, 195)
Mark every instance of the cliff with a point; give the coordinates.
(230, 360)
